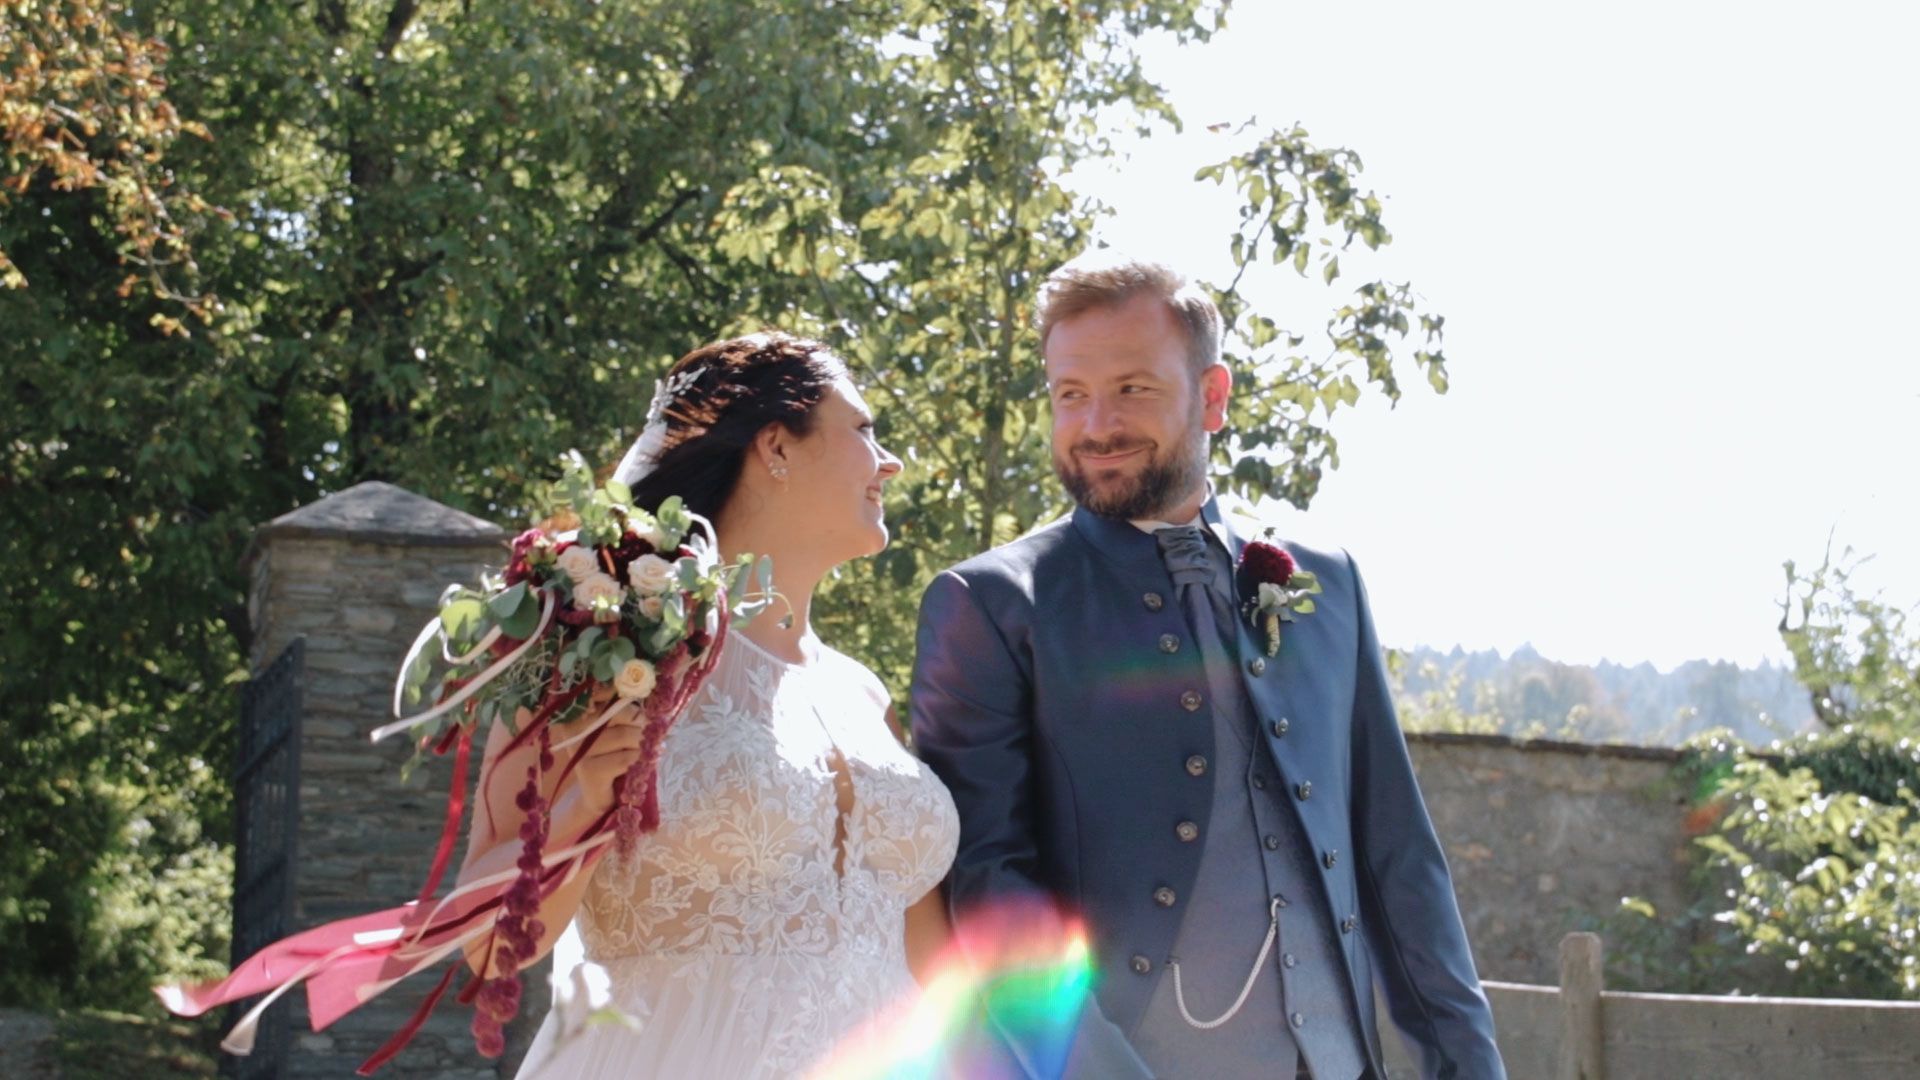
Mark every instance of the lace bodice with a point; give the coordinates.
(757, 898)
(749, 855)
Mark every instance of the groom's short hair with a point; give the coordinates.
(1107, 278)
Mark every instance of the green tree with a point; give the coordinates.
(1811, 855)
(1855, 654)
(87, 126)
(466, 238)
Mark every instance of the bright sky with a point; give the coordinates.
(1678, 249)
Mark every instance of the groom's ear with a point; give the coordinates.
(1216, 386)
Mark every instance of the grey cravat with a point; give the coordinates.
(1199, 570)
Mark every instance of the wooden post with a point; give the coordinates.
(1581, 983)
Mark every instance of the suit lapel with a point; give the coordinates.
(1274, 684)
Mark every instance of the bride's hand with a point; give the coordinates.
(494, 843)
(589, 790)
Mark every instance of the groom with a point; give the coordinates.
(1240, 830)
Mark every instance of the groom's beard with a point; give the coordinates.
(1165, 480)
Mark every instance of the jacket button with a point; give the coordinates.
(1330, 858)
(1347, 924)
(1191, 700)
(1169, 643)
(1140, 964)
(1257, 666)
(1298, 1020)
(1163, 896)
(1272, 842)
(1305, 789)
(1196, 766)
(1280, 727)
(1288, 960)
(1187, 831)
(1259, 782)
(1153, 601)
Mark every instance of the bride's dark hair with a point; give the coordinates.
(737, 388)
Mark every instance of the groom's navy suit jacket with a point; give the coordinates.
(1045, 696)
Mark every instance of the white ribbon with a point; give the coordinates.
(600, 722)
(471, 688)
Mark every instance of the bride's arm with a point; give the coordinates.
(928, 926)
(928, 930)
(494, 839)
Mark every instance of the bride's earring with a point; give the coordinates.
(780, 474)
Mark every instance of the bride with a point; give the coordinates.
(789, 890)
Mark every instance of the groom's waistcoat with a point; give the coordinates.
(1255, 860)
(1122, 746)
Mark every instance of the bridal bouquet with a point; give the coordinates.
(616, 619)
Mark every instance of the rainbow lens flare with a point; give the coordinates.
(1010, 974)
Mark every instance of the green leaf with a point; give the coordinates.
(621, 650)
(525, 618)
(506, 602)
(461, 618)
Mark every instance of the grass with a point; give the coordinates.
(95, 1044)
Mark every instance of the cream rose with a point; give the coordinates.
(600, 594)
(651, 606)
(635, 679)
(651, 575)
(578, 563)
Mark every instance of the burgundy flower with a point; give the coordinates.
(1266, 564)
(630, 547)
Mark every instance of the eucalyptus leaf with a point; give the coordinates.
(525, 619)
(462, 618)
(621, 650)
(505, 603)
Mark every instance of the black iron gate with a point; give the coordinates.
(266, 785)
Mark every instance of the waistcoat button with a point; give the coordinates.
(1169, 643)
(1257, 666)
(1153, 601)
(1191, 700)
(1280, 727)
(1196, 766)
(1187, 831)
(1272, 842)
(1141, 965)
(1163, 896)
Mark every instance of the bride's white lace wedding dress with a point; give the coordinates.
(759, 927)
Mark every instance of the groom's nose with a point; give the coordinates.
(1103, 418)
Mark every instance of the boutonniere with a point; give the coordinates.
(1275, 588)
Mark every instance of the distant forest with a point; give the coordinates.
(1526, 694)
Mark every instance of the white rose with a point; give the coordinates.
(598, 593)
(634, 681)
(578, 563)
(651, 575)
(651, 606)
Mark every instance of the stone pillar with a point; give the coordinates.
(357, 574)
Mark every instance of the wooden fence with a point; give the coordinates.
(1582, 1031)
